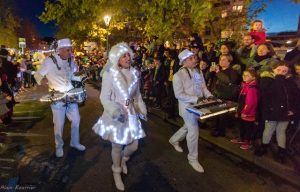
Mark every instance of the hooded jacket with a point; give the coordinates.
(248, 101)
(277, 96)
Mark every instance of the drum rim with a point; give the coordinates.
(78, 91)
(42, 99)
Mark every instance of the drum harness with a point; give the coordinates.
(188, 72)
(52, 92)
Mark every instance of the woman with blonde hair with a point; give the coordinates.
(123, 106)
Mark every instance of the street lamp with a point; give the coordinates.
(107, 19)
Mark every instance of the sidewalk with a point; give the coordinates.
(26, 113)
(284, 171)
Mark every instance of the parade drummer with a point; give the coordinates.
(189, 88)
(57, 71)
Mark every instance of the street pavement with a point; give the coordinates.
(29, 163)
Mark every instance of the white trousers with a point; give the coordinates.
(280, 128)
(59, 111)
(190, 131)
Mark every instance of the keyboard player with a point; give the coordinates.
(189, 88)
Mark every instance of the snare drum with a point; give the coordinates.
(76, 95)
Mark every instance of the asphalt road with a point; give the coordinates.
(156, 166)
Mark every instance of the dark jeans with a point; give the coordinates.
(222, 123)
(158, 91)
(247, 130)
(171, 100)
(28, 80)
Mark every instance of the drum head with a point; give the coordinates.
(52, 97)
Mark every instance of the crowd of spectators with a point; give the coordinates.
(16, 74)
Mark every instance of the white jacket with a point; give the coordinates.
(59, 78)
(188, 86)
(121, 97)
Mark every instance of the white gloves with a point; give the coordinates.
(119, 115)
(144, 117)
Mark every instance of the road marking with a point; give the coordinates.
(7, 159)
(25, 117)
(6, 168)
(24, 100)
(27, 111)
(10, 134)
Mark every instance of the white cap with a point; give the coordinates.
(184, 55)
(117, 51)
(62, 43)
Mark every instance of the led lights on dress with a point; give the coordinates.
(134, 129)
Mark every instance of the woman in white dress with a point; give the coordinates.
(123, 106)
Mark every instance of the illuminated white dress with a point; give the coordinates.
(121, 97)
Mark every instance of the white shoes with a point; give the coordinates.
(177, 147)
(117, 178)
(196, 165)
(79, 147)
(59, 152)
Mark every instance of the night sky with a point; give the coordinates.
(280, 15)
(31, 9)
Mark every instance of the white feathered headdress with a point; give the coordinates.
(114, 55)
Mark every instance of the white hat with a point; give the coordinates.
(184, 55)
(62, 43)
(117, 51)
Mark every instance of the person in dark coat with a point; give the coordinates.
(169, 102)
(7, 74)
(198, 50)
(211, 54)
(223, 79)
(278, 106)
(224, 84)
(264, 58)
(158, 81)
(293, 57)
(246, 52)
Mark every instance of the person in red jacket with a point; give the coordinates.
(248, 100)
(257, 31)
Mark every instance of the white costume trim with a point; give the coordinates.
(120, 97)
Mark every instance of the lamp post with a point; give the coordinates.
(107, 19)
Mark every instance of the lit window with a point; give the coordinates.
(224, 14)
(240, 8)
(234, 8)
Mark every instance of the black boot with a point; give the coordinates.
(262, 150)
(281, 155)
